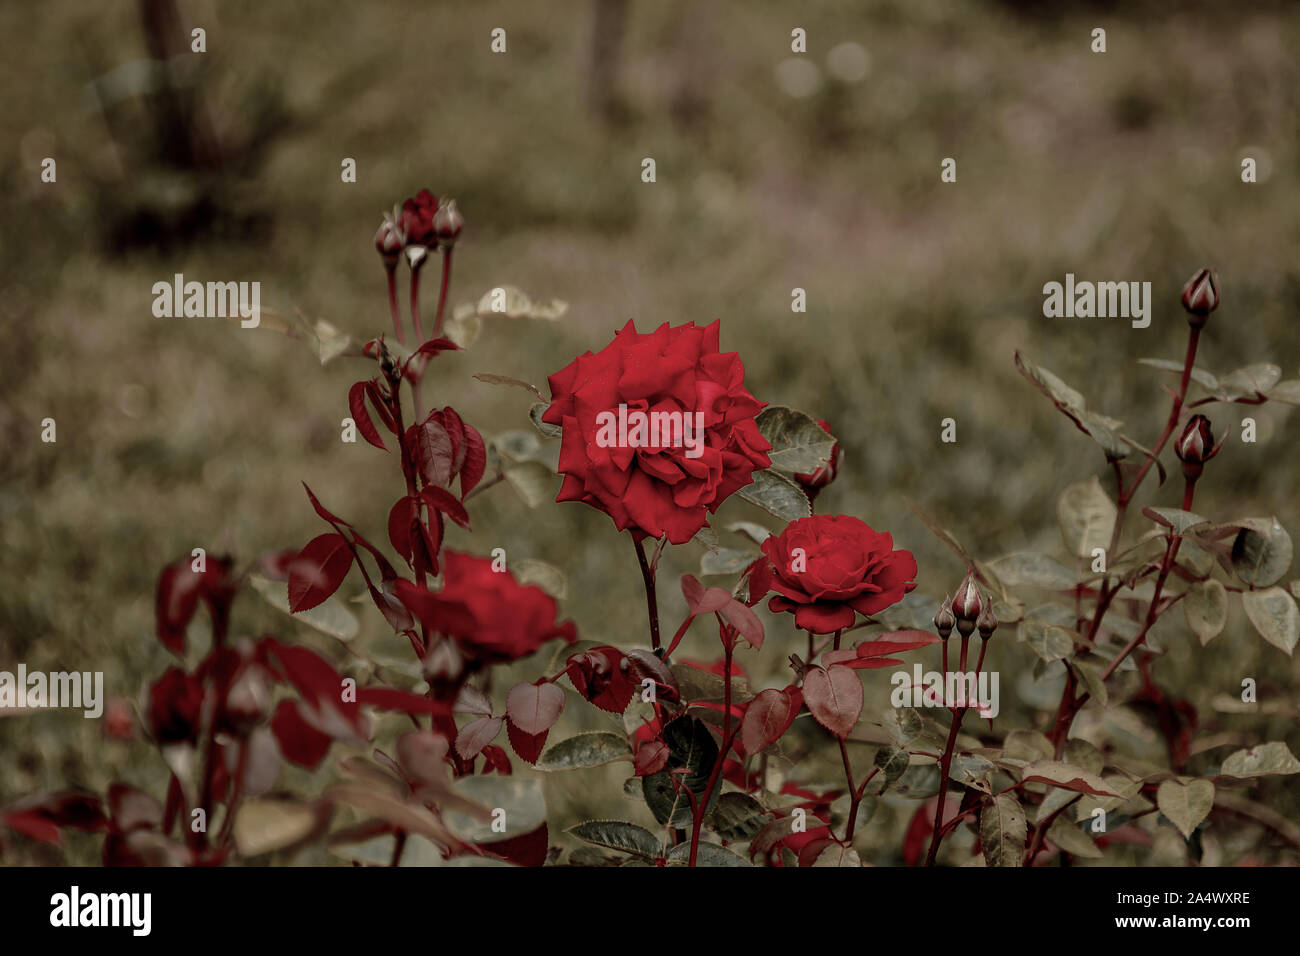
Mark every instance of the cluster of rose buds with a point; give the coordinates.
(967, 610)
(420, 224)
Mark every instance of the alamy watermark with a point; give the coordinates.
(74, 908)
(639, 429)
(37, 689)
(211, 300)
(953, 689)
(1102, 300)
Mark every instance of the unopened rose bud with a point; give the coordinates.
(966, 604)
(448, 222)
(388, 243)
(814, 482)
(987, 622)
(944, 621)
(1195, 446)
(1200, 297)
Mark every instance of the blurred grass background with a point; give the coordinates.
(775, 171)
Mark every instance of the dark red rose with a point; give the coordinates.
(631, 446)
(826, 567)
(180, 588)
(416, 219)
(175, 707)
(823, 476)
(489, 614)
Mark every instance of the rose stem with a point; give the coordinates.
(652, 605)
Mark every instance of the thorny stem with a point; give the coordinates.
(944, 765)
(1070, 705)
(652, 604)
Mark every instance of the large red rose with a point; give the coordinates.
(650, 484)
(488, 613)
(827, 567)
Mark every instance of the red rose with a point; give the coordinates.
(826, 567)
(658, 429)
(814, 482)
(488, 613)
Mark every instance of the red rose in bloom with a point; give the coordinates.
(416, 220)
(826, 567)
(814, 482)
(660, 477)
(488, 613)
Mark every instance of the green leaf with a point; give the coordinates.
(707, 854)
(691, 748)
(799, 444)
(904, 724)
(1200, 376)
(726, 561)
(1027, 745)
(330, 617)
(512, 303)
(492, 378)
(1072, 840)
(1266, 759)
(1033, 569)
(970, 770)
(585, 750)
(751, 530)
(778, 495)
(1003, 830)
(1261, 553)
(1100, 428)
(1273, 612)
(738, 816)
(1180, 522)
(546, 429)
(893, 763)
(1288, 392)
(1185, 802)
(617, 835)
(520, 799)
(837, 855)
(1250, 382)
(532, 481)
(1048, 641)
(1090, 668)
(1061, 774)
(263, 825)
(330, 342)
(1087, 516)
(665, 801)
(1206, 609)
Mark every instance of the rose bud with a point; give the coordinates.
(1200, 297)
(119, 721)
(448, 222)
(823, 476)
(966, 604)
(987, 622)
(389, 243)
(944, 621)
(1195, 446)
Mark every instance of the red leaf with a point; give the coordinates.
(651, 757)
(745, 621)
(702, 600)
(318, 571)
(432, 348)
(388, 698)
(443, 501)
(475, 460)
(300, 742)
(918, 832)
(527, 746)
(456, 429)
(471, 700)
(849, 658)
(433, 452)
(534, 708)
(320, 509)
(527, 850)
(476, 735)
(913, 639)
(768, 716)
(176, 601)
(381, 408)
(834, 696)
(494, 758)
(357, 403)
(400, 521)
